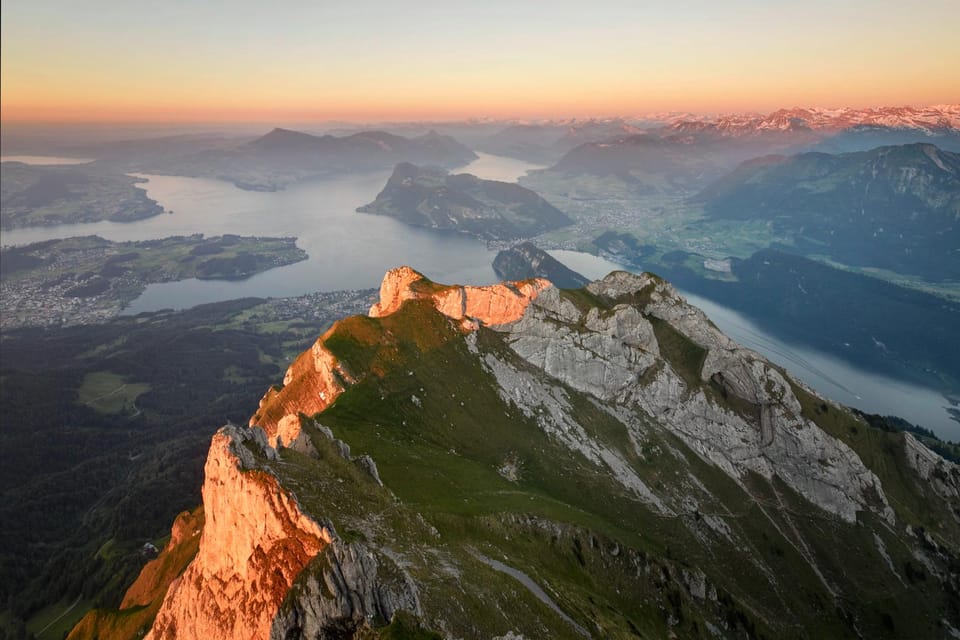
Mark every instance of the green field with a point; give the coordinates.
(110, 393)
(55, 621)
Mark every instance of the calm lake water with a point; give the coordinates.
(831, 376)
(350, 250)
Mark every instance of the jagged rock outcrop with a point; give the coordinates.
(943, 476)
(144, 597)
(609, 354)
(344, 590)
(492, 305)
(255, 542)
(312, 382)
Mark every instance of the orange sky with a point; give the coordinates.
(297, 61)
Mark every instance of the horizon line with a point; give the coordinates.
(479, 119)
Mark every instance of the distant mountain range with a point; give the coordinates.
(430, 197)
(722, 140)
(646, 162)
(896, 208)
(689, 152)
(284, 157)
(934, 119)
(369, 148)
(547, 142)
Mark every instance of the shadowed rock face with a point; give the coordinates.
(526, 260)
(360, 592)
(603, 354)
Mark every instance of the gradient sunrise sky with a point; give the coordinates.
(191, 61)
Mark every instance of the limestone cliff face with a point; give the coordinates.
(255, 542)
(311, 384)
(493, 305)
(346, 589)
(616, 356)
(944, 478)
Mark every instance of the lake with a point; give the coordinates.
(350, 250)
(829, 375)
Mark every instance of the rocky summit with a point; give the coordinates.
(524, 461)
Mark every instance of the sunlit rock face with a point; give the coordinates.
(256, 540)
(311, 384)
(254, 544)
(492, 305)
(147, 586)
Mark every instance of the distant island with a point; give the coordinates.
(488, 209)
(88, 279)
(32, 196)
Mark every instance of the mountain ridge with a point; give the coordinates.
(612, 420)
(283, 157)
(689, 153)
(894, 207)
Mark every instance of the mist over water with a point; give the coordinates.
(828, 374)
